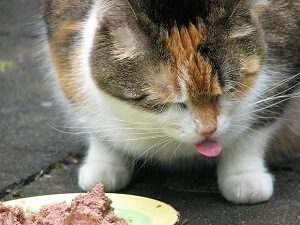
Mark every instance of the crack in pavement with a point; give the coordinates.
(73, 158)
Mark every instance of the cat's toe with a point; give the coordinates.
(114, 177)
(247, 188)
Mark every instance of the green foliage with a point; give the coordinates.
(6, 65)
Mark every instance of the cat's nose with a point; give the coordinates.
(208, 133)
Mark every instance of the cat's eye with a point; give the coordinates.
(216, 98)
(182, 105)
(176, 105)
(139, 98)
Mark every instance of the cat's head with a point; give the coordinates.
(186, 66)
(186, 62)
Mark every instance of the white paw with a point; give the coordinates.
(114, 177)
(247, 188)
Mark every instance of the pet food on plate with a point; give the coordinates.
(13, 216)
(92, 208)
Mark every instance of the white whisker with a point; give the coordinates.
(280, 83)
(136, 139)
(269, 106)
(277, 95)
(151, 147)
(253, 130)
(149, 158)
(150, 131)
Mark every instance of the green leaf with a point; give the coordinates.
(6, 65)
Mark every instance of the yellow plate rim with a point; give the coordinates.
(159, 212)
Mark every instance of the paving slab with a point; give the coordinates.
(27, 143)
(37, 160)
(59, 179)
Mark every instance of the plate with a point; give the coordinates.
(136, 210)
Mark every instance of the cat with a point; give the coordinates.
(183, 83)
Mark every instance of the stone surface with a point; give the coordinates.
(194, 194)
(59, 179)
(28, 144)
(35, 159)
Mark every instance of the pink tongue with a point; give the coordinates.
(209, 148)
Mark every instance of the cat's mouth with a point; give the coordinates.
(209, 148)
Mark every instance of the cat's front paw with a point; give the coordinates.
(114, 177)
(247, 188)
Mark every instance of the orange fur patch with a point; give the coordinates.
(207, 116)
(189, 65)
(252, 64)
(183, 42)
(260, 9)
(250, 68)
(64, 31)
(66, 61)
(182, 45)
(246, 85)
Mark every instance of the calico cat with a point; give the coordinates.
(180, 82)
